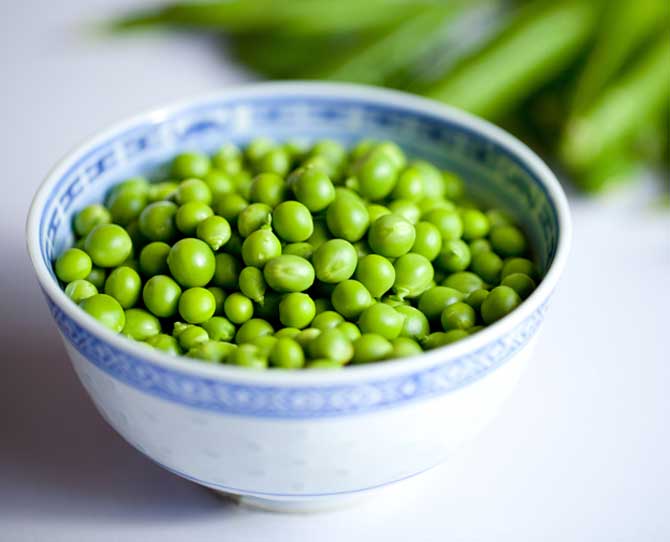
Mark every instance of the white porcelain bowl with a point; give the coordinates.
(302, 440)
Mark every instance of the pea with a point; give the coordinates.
(488, 266)
(268, 188)
(415, 325)
(448, 222)
(463, 281)
(215, 231)
(191, 164)
(519, 282)
(413, 275)
(458, 316)
(376, 211)
(370, 347)
(124, 285)
(153, 259)
(157, 221)
(252, 284)
(226, 270)
(478, 246)
(165, 343)
(238, 308)
(97, 277)
(508, 241)
(410, 185)
(347, 217)
(190, 215)
(90, 217)
(277, 161)
(189, 335)
(161, 191)
(219, 328)
(73, 264)
(212, 351)
(350, 298)
(331, 344)
(288, 273)
(335, 261)
(518, 265)
(106, 310)
(191, 262)
(287, 354)
(476, 298)
(80, 289)
(427, 241)
(260, 247)
(313, 188)
(219, 183)
(287, 332)
(228, 159)
(161, 296)
(453, 185)
(252, 329)
(248, 356)
(197, 305)
(140, 325)
(454, 256)
(500, 302)
(404, 347)
(306, 336)
(433, 301)
(229, 206)
(391, 236)
(381, 319)
(296, 310)
(126, 205)
(433, 183)
(376, 174)
(304, 250)
(349, 330)
(219, 298)
(292, 221)
(108, 245)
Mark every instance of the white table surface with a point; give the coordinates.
(580, 453)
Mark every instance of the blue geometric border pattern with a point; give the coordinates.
(296, 402)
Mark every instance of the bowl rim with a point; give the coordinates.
(353, 373)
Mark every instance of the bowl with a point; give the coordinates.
(313, 439)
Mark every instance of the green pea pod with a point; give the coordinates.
(307, 17)
(624, 28)
(541, 42)
(641, 93)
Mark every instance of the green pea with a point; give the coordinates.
(413, 275)
(80, 289)
(448, 222)
(287, 354)
(157, 221)
(193, 190)
(197, 305)
(427, 241)
(276, 161)
(426, 205)
(508, 241)
(370, 347)
(376, 211)
(238, 308)
(268, 188)
(191, 262)
(519, 265)
(335, 261)
(288, 332)
(463, 281)
(73, 264)
(219, 328)
(189, 335)
(292, 221)
(228, 159)
(331, 344)
(219, 183)
(349, 330)
(254, 217)
(441, 338)
(106, 310)
(391, 236)
(215, 231)
(313, 188)
(243, 181)
(212, 351)
(226, 270)
(347, 217)
(381, 319)
(376, 174)
(258, 147)
(124, 285)
(304, 250)
(519, 282)
(161, 296)
(327, 320)
(410, 185)
(500, 302)
(229, 206)
(296, 310)
(191, 164)
(433, 182)
(140, 325)
(248, 356)
(252, 284)
(108, 245)
(404, 347)
(350, 298)
(126, 205)
(90, 217)
(498, 217)
(97, 277)
(161, 191)
(478, 246)
(415, 325)
(153, 259)
(476, 298)
(165, 343)
(407, 209)
(251, 329)
(190, 215)
(260, 247)
(454, 256)
(433, 301)
(458, 316)
(287, 273)
(488, 266)
(306, 336)
(475, 224)
(454, 187)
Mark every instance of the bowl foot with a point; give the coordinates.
(292, 506)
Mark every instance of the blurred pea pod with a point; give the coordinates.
(304, 17)
(542, 40)
(625, 26)
(625, 106)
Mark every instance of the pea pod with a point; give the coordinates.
(540, 43)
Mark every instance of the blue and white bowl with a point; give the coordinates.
(302, 440)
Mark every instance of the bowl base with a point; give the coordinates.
(292, 506)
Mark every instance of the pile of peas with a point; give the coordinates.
(291, 256)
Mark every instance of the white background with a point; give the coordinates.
(580, 453)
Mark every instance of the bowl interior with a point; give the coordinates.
(494, 174)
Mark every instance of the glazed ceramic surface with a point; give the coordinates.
(294, 440)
